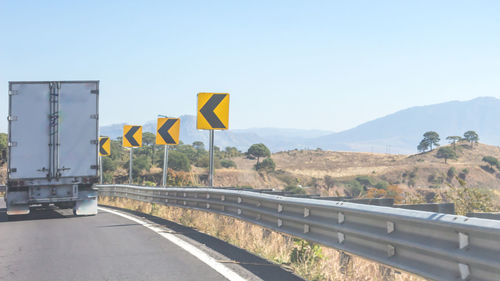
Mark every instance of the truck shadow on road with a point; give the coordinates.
(256, 265)
(37, 213)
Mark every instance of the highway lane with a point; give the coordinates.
(52, 245)
(55, 245)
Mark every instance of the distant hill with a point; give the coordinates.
(399, 132)
(403, 130)
(276, 139)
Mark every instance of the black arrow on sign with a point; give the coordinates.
(208, 111)
(163, 131)
(101, 144)
(130, 135)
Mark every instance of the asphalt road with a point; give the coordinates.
(55, 245)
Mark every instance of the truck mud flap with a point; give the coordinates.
(17, 203)
(86, 204)
(14, 210)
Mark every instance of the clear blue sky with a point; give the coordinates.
(299, 64)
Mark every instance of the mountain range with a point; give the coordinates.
(399, 132)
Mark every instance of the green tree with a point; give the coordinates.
(329, 181)
(141, 163)
(353, 188)
(192, 153)
(3, 141)
(452, 172)
(431, 138)
(382, 185)
(107, 178)
(178, 161)
(446, 153)
(3, 147)
(198, 145)
(108, 165)
(267, 165)
(149, 142)
(492, 161)
(231, 152)
(118, 152)
(148, 138)
(366, 180)
(204, 161)
(463, 174)
(259, 150)
(469, 199)
(227, 163)
(453, 140)
(472, 137)
(423, 145)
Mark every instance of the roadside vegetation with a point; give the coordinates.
(148, 162)
(3, 148)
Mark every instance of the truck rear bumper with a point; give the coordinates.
(83, 199)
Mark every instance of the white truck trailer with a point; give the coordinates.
(53, 146)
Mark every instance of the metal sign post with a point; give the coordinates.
(100, 169)
(165, 166)
(130, 168)
(211, 164)
(132, 137)
(167, 133)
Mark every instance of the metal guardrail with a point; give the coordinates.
(433, 245)
(490, 216)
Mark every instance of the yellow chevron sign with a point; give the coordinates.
(104, 146)
(213, 111)
(167, 131)
(132, 136)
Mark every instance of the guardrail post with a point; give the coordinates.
(346, 265)
(386, 273)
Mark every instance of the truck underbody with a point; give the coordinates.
(81, 197)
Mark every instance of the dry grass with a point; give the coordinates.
(317, 164)
(320, 263)
(310, 168)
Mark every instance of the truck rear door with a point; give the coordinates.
(29, 110)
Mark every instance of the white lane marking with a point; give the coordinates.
(202, 256)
